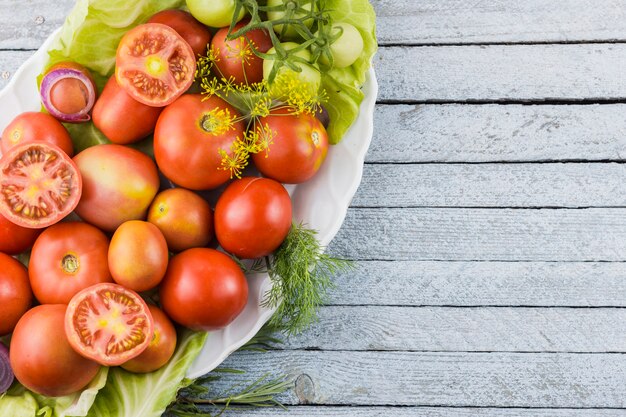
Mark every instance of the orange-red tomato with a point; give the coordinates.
(236, 58)
(203, 289)
(161, 347)
(252, 217)
(36, 126)
(15, 239)
(299, 148)
(188, 137)
(67, 258)
(184, 218)
(40, 185)
(154, 64)
(138, 255)
(16, 296)
(119, 184)
(121, 118)
(42, 358)
(193, 32)
(109, 324)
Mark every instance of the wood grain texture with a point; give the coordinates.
(497, 185)
(382, 411)
(443, 379)
(454, 21)
(31, 23)
(454, 329)
(525, 73)
(426, 283)
(10, 61)
(483, 234)
(485, 133)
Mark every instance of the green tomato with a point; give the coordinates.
(309, 73)
(285, 5)
(214, 13)
(347, 48)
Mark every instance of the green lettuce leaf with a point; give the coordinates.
(148, 395)
(20, 402)
(343, 85)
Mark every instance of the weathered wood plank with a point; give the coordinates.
(525, 73)
(382, 411)
(483, 234)
(453, 21)
(27, 26)
(404, 21)
(10, 61)
(454, 329)
(484, 133)
(443, 379)
(497, 185)
(409, 283)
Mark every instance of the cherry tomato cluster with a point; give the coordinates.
(110, 227)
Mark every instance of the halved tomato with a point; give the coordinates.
(109, 324)
(154, 64)
(39, 185)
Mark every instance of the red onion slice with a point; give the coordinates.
(58, 74)
(6, 373)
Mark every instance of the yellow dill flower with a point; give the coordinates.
(240, 51)
(218, 121)
(235, 162)
(261, 107)
(263, 138)
(295, 92)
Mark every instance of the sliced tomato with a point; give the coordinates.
(154, 64)
(39, 185)
(109, 324)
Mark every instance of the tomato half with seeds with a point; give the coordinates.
(67, 258)
(109, 324)
(36, 127)
(188, 137)
(154, 64)
(39, 185)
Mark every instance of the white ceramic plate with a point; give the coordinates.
(321, 203)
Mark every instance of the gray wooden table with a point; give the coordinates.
(490, 227)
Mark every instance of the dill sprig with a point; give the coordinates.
(301, 275)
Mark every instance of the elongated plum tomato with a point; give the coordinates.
(154, 64)
(39, 185)
(184, 218)
(109, 324)
(119, 185)
(252, 217)
(15, 239)
(188, 137)
(203, 289)
(161, 348)
(68, 92)
(138, 255)
(236, 58)
(299, 148)
(193, 32)
(42, 358)
(67, 258)
(16, 296)
(36, 127)
(121, 118)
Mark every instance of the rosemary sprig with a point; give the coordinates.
(301, 274)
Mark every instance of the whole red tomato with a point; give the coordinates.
(184, 218)
(138, 255)
(16, 296)
(15, 239)
(42, 358)
(299, 147)
(195, 33)
(119, 184)
(252, 217)
(188, 137)
(236, 57)
(67, 258)
(161, 347)
(120, 117)
(203, 289)
(36, 126)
